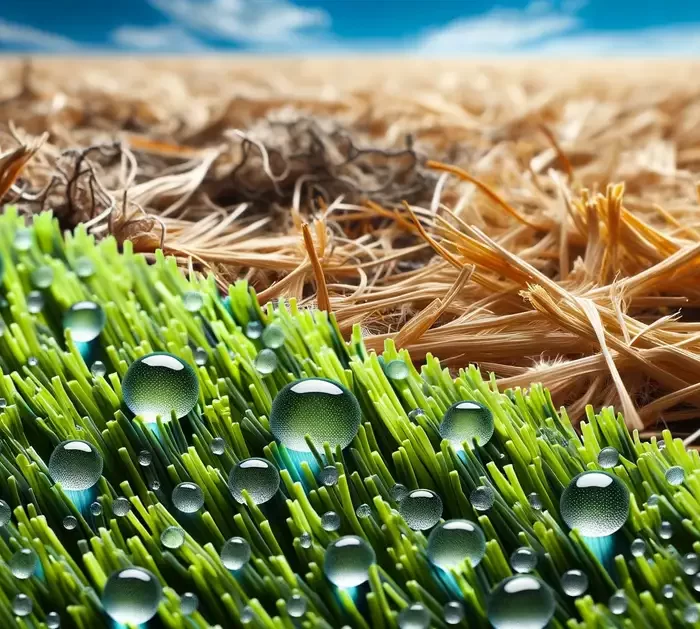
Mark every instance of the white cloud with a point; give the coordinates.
(166, 38)
(19, 36)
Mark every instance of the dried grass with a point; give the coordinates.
(557, 239)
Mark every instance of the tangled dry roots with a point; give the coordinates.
(539, 220)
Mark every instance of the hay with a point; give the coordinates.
(538, 219)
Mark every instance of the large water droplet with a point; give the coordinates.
(690, 563)
(188, 603)
(465, 422)
(421, 509)
(348, 560)
(595, 503)
(273, 336)
(330, 521)
(188, 497)
(321, 408)
(296, 605)
(608, 457)
(266, 361)
(454, 541)
(521, 602)
(675, 475)
(235, 553)
(523, 559)
(5, 513)
(618, 603)
(415, 616)
(42, 277)
(482, 498)
(85, 320)
(453, 612)
(193, 300)
(255, 475)
(397, 370)
(172, 537)
(23, 563)
(132, 595)
(76, 465)
(159, 383)
(574, 582)
(22, 605)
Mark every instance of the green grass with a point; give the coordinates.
(534, 449)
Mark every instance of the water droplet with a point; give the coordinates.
(132, 595)
(305, 540)
(618, 603)
(363, 511)
(608, 457)
(84, 267)
(96, 508)
(638, 547)
(98, 369)
(188, 497)
(595, 503)
(348, 560)
(665, 530)
(145, 458)
(273, 336)
(257, 476)
(35, 302)
(321, 408)
(691, 614)
(535, 501)
(22, 605)
(235, 553)
(667, 591)
(414, 616)
(193, 300)
(32, 361)
(172, 537)
(329, 475)
(453, 612)
(574, 582)
(421, 509)
(155, 484)
(675, 475)
(5, 513)
(70, 522)
(397, 370)
(414, 414)
(399, 492)
(23, 239)
(85, 320)
(482, 498)
(159, 383)
(200, 356)
(247, 615)
(121, 507)
(696, 582)
(266, 361)
(296, 605)
(521, 602)
(254, 330)
(188, 603)
(76, 465)
(42, 276)
(523, 559)
(23, 563)
(53, 620)
(217, 446)
(454, 541)
(467, 421)
(330, 521)
(690, 563)
(3, 403)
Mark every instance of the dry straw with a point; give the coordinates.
(538, 219)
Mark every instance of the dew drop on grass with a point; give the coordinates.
(454, 541)
(22, 605)
(696, 582)
(98, 369)
(396, 370)
(399, 492)
(414, 414)
(482, 498)
(155, 484)
(53, 620)
(415, 616)
(273, 336)
(193, 300)
(121, 507)
(85, 320)
(96, 508)
(675, 475)
(70, 522)
(453, 612)
(523, 560)
(363, 511)
(321, 408)
(23, 239)
(691, 614)
(305, 540)
(329, 475)
(172, 537)
(667, 591)
(32, 361)
(217, 446)
(535, 501)
(521, 602)
(76, 465)
(690, 563)
(652, 500)
(347, 561)
(467, 421)
(132, 595)
(574, 582)
(84, 267)
(3, 403)
(608, 457)
(5, 513)
(42, 277)
(330, 521)
(23, 563)
(145, 458)
(666, 530)
(200, 356)
(257, 476)
(421, 509)
(596, 503)
(188, 603)
(35, 302)
(638, 547)
(247, 615)
(265, 362)
(618, 603)
(253, 330)
(296, 605)
(235, 553)
(188, 497)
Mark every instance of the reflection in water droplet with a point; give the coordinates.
(76, 465)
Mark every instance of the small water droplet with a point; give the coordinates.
(217, 446)
(76, 465)
(23, 239)
(22, 605)
(329, 475)
(188, 603)
(618, 603)
(257, 476)
(200, 356)
(638, 547)
(84, 267)
(421, 509)
(172, 537)
(522, 601)
(121, 507)
(305, 540)
(363, 511)
(23, 563)
(397, 370)
(5, 513)
(188, 497)
(415, 616)
(574, 582)
(32, 361)
(466, 422)
(653, 500)
(70, 522)
(247, 615)
(482, 498)
(155, 484)
(691, 614)
(347, 561)
(523, 560)
(265, 362)
(235, 553)
(145, 458)
(414, 414)
(665, 530)
(535, 501)
(296, 605)
(85, 320)
(696, 582)
(273, 336)
(35, 302)
(132, 595)
(399, 492)
(330, 521)
(453, 612)
(98, 369)
(608, 457)
(667, 591)
(193, 300)
(690, 563)
(254, 330)
(53, 620)
(96, 508)
(675, 475)
(3, 403)
(42, 276)
(454, 541)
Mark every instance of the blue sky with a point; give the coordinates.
(575, 28)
